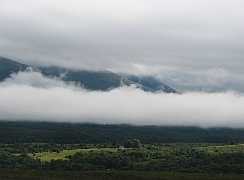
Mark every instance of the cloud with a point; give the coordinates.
(209, 80)
(185, 38)
(67, 103)
(32, 78)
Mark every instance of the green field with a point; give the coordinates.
(163, 149)
(224, 148)
(48, 156)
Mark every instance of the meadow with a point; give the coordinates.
(48, 156)
(209, 148)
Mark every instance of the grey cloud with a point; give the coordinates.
(142, 37)
(207, 80)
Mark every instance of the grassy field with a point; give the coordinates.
(224, 149)
(48, 156)
(212, 149)
(109, 175)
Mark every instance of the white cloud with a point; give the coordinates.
(58, 102)
(32, 78)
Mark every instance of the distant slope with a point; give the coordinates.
(91, 80)
(105, 80)
(151, 82)
(8, 67)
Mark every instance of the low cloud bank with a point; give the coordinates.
(22, 99)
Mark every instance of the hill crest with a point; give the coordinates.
(91, 80)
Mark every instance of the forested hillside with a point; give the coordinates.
(26, 132)
(102, 80)
(8, 67)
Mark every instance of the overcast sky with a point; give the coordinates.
(191, 45)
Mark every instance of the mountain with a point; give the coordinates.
(151, 82)
(92, 80)
(7, 67)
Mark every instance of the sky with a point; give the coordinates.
(194, 46)
(190, 45)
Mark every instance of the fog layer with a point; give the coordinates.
(27, 100)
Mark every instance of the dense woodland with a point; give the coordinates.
(67, 133)
(121, 147)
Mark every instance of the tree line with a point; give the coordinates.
(67, 133)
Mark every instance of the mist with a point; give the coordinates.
(22, 99)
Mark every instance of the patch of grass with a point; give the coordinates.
(224, 149)
(48, 156)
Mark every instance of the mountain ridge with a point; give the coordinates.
(8, 66)
(92, 80)
(151, 82)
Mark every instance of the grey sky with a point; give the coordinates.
(191, 45)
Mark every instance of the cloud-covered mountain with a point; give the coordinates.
(151, 82)
(91, 80)
(7, 67)
(29, 95)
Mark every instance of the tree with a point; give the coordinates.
(135, 143)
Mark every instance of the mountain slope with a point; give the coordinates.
(92, 80)
(8, 67)
(151, 82)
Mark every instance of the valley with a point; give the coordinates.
(111, 154)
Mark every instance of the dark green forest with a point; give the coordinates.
(68, 133)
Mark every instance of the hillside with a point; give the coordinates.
(151, 82)
(8, 67)
(92, 80)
